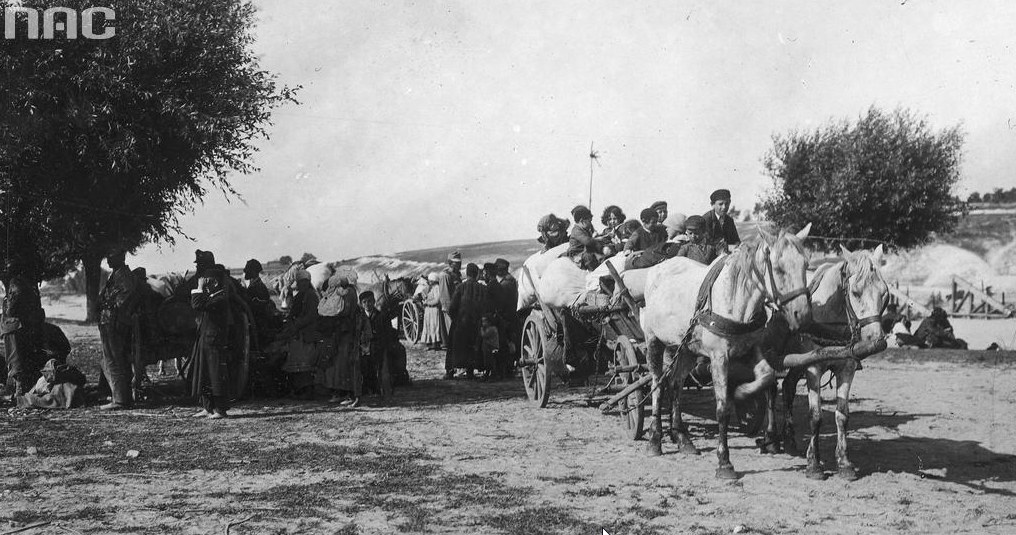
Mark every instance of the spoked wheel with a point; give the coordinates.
(633, 413)
(412, 321)
(535, 375)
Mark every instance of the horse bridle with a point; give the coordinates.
(777, 299)
(853, 322)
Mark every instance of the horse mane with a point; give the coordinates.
(861, 266)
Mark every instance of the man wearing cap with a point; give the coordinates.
(583, 248)
(697, 248)
(718, 225)
(259, 300)
(507, 310)
(447, 281)
(21, 327)
(209, 372)
(116, 303)
(470, 302)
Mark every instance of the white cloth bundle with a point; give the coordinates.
(562, 283)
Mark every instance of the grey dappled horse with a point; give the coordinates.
(769, 273)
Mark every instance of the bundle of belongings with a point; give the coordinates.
(60, 387)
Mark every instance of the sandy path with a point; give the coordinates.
(934, 443)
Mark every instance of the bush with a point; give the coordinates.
(888, 177)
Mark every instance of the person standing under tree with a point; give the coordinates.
(116, 300)
(21, 327)
(209, 372)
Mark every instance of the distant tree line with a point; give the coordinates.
(999, 196)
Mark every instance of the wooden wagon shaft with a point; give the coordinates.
(625, 294)
(627, 369)
(593, 309)
(859, 351)
(644, 380)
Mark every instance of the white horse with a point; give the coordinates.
(848, 298)
(727, 329)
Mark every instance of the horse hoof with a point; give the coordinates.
(848, 473)
(726, 472)
(654, 449)
(815, 473)
(688, 448)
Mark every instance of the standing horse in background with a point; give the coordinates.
(392, 370)
(723, 322)
(848, 298)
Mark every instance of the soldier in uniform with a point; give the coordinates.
(116, 303)
(21, 327)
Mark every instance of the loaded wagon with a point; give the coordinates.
(602, 333)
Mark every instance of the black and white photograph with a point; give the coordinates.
(507, 267)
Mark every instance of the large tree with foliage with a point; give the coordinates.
(105, 143)
(885, 177)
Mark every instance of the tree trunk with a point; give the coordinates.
(92, 266)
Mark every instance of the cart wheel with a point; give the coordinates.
(633, 412)
(535, 375)
(412, 321)
(751, 415)
(240, 372)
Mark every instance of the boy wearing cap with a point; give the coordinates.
(586, 250)
(718, 225)
(660, 207)
(698, 248)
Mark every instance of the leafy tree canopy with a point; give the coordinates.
(886, 177)
(104, 143)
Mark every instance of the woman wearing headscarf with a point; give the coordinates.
(432, 316)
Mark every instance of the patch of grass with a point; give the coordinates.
(597, 492)
(21, 484)
(566, 480)
(349, 529)
(647, 513)
(90, 513)
(25, 516)
(540, 521)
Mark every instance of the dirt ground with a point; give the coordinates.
(933, 440)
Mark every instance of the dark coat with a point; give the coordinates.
(470, 302)
(643, 239)
(716, 231)
(209, 368)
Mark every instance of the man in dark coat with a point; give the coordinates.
(266, 319)
(507, 309)
(117, 302)
(470, 302)
(209, 369)
(21, 327)
(718, 225)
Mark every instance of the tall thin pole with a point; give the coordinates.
(593, 157)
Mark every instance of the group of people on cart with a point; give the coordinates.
(652, 238)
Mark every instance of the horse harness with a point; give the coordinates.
(854, 323)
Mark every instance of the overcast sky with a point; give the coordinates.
(425, 124)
